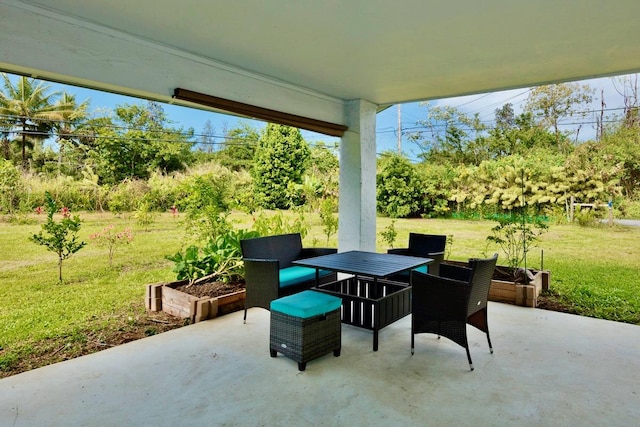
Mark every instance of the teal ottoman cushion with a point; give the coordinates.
(306, 304)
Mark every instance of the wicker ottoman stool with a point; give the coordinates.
(305, 326)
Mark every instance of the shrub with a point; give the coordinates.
(61, 236)
(269, 225)
(220, 257)
(328, 218)
(516, 238)
(111, 239)
(10, 185)
(399, 188)
(389, 234)
(126, 196)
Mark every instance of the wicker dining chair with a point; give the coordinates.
(445, 304)
(425, 246)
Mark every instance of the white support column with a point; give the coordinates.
(357, 217)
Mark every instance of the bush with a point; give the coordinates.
(399, 188)
(10, 187)
(60, 237)
(220, 257)
(126, 196)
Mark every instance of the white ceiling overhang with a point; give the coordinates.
(307, 58)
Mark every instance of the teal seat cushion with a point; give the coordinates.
(306, 304)
(422, 269)
(297, 274)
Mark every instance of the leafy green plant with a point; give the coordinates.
(516, 237)
(586, 217)
(389, 234)
(399, 189)
(220, 257)
(144, 215)
(111, 239)
(448, 246)
(328, 219)
(61, 236)
(9, 186)
(269, 225)
(279, 163)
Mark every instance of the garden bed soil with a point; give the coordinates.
(211, 288)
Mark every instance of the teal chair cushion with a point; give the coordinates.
(297, 274)
(306, 304)
(422, 269)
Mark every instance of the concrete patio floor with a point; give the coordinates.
(548, 369)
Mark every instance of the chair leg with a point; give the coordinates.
(413, 338)
(489, 340)
(413, 342)
(469, 357)
(245, 316)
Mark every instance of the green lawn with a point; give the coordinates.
(596, 271)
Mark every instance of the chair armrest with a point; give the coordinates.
(435, 254)
(313, 252)
(262, 278)
(398, 251)
(455, 272)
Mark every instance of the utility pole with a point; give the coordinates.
(399, 129)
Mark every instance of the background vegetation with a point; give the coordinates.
(134, 169)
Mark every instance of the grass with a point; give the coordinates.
(594, 272)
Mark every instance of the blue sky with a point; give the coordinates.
(387, 121)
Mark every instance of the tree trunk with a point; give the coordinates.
(24, 144)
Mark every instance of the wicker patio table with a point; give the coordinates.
(368, 300)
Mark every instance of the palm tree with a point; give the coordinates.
(30, 110)
(69, 130)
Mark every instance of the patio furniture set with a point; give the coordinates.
(311, 292)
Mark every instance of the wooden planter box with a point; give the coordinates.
(520, 294)
(516, 293)
(164, 297)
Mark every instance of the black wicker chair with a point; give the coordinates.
(444, 304)
(422, 245)
(264, 257)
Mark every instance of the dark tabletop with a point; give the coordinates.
(364, 263)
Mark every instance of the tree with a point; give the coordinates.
(451, 136)
(516, 134)
(69, 129)
(207, 138)
(321, 178)
(552, 103)
(399, 188)
(279, 163)
(239, 147)
(30, 110)
(136, 142)
(61, 236)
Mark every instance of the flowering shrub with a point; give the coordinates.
(110, 238)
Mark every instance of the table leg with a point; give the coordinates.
(375, 340)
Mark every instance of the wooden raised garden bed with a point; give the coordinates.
(174, 298)
(519, 293)
(511, 292)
